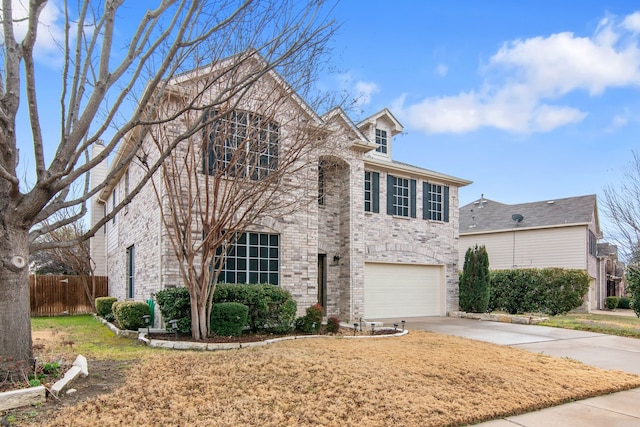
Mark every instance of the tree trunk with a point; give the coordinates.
(16, 354)
(195, 316)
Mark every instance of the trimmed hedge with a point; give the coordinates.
(271, 308)
(228, 319)
(549, 290)
(129, 314)
(611, 303)
(624, 302)
(104, 305)
(175, 303)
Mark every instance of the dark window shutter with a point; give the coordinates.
(390, 194)
(425, 200)
(445, 204)
(375, 191)
(412, 198)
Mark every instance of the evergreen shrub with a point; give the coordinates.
(129, 314)
(229, 318)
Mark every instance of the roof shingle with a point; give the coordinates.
(488, 215)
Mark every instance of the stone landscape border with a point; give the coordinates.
(199, 346)
(36, 395)
(504, 318)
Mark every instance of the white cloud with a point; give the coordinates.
(50, 34)
(523, 75)
(442, 70)
(632, 22)
(620, 120)
(364, 91)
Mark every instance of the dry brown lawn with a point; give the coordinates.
(423, 379)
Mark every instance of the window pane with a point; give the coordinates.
(273, 278)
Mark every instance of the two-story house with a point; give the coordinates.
(551, 233)
(379, 240)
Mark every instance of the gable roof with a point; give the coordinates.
(359, 141)
(484, 215)
(371, 120)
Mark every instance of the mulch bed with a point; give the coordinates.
(254, 337)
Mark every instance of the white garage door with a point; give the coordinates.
(401, 290)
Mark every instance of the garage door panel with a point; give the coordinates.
(402, 290)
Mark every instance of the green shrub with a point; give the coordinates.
(271, 308)
(475, 281)
(311, 321)
(229, 318)
(633, 288)
(624, 302)
(175, 304)
(333, 325)
(103, 305)
(611, 303)
(549, 290)
(129, 314)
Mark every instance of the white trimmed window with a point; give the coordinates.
(381, 140)
(254, 258)
(435, 205)
(401, 196)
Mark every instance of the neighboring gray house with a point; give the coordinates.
(550, 233)
(383, 243)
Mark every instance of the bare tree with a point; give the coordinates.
(248, 164)
(107, 91)
(622, 206)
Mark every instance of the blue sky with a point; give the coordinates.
(531, 100)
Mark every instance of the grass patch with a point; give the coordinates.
(83, 334)
(624, 326)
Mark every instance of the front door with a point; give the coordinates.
(322, 280)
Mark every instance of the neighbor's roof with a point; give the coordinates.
(485, 215)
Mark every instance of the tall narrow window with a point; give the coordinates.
(372, 191)
(321, 183)
(131, 270)
(593, 244)
(381, 140)
(114, 202)
(435, 204)
(401, 196)
(126, 183)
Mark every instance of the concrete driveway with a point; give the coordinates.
(600, 350)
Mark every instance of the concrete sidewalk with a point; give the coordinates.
(599, 350)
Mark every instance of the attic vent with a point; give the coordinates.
(550, 202)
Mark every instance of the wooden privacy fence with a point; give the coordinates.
(55, 295)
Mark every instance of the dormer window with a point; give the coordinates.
(381, 140)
